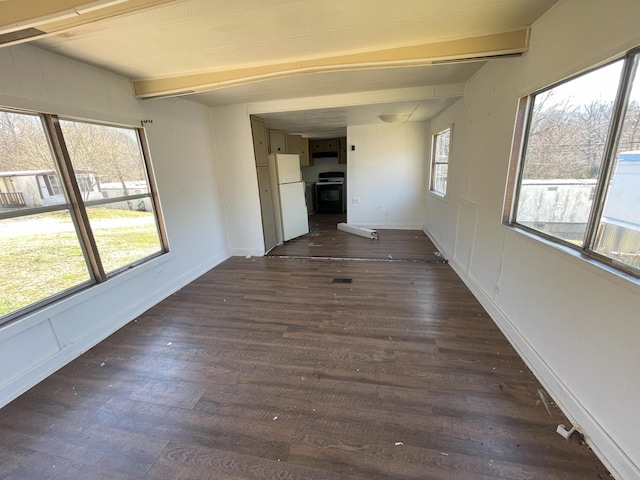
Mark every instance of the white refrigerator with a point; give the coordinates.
(287, 190)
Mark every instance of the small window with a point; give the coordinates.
(440, 161)
(579, 172)
(76, 207)
(54, 185)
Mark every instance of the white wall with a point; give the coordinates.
(185, 164)
(322, 165)
(577, 325)
(234, 145)
(387, 174)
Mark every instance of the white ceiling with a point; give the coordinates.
(185, 37)
(332, 122)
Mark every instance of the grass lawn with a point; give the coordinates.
(40, 255)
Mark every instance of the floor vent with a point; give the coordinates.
(342, 280)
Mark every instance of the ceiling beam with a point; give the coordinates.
(47, 17)
(466, 49)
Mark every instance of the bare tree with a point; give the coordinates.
(107, 154)
(23, 144)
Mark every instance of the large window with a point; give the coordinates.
(77, 206)
(440, 161)
(578, 180)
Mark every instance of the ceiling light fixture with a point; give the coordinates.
(395, 117)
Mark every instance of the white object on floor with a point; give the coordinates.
(363, 232)
(562, 430)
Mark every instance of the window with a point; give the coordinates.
(578, 180)
(54, 185)
(440, 161)
(77, 206)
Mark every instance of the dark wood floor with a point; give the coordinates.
(325, 240)
(264, 368)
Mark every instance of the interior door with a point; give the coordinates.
(266, 206)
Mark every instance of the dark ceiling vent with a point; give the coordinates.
(20, 35)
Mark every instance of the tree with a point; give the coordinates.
(111, 154)
(99, 153)
(23, 144)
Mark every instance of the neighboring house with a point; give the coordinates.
(619, 234)
(37, 188)
(561, 207)
(557, 206)
(29, 188)
(624, 192)
(117, 189)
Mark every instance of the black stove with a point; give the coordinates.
(330, 192)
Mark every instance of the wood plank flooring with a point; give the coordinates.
(325, 240)
(264, 368)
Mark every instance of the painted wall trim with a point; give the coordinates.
(607, 450)
(244, 252)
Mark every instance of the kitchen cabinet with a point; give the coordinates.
(316, 145)
(300, 146)
(267, 210)
(305, 157)
(329, 147)
(293, 143)
(259, 133)
(277, 141)
(324, 146)
(342, 153)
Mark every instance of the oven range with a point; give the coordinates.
(330, 192)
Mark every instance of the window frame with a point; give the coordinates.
(76, 206)
(434, 161)
(630, 67)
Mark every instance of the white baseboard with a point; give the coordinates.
(244, 252)
(607, 450)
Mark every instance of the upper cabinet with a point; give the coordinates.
(277, 142)
(300, 146)
(282, 142)
(260, 149)
(324, 147)
(293, 143)
(305, 157)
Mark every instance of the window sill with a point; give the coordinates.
(576, 256)
(438, 195)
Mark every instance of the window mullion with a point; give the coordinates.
(79, 212)
(519, 157)
(611, 147)
(142, 138)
